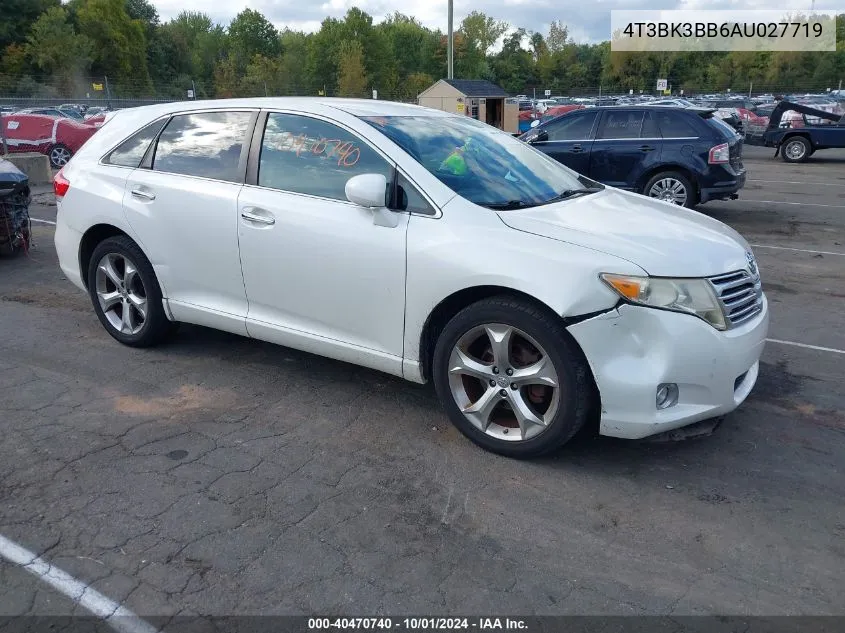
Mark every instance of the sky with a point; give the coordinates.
(588, 22)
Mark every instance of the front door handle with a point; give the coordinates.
(248, 214)
(647, 148)
(576, 149)
(140, 193)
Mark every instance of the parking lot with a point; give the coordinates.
(221, 475)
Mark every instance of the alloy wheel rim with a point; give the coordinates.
(121, 293)
(669, 190)
(60, 156)
(795, 150)
(504, 382)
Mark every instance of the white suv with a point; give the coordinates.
(422, 244)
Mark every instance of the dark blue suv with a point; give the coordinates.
(684, 156)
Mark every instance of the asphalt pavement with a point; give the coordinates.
(221, 475)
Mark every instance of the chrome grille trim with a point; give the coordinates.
(740, 296)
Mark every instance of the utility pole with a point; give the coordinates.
(265, 88)
(450, 47)
(194, 89)
(108, 94)
(750, 86)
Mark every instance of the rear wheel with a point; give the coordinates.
(796, 150)
(671, 186)
(125, 293)
(510, 377)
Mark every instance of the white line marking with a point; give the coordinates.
(43, 221)
(798, 182)
(116, 616)
(804, 345)
(800, 204)
(800, 250)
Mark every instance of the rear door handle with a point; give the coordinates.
(647, 148)
(249, 214)
(140, 193)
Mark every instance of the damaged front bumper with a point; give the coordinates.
(632, 350)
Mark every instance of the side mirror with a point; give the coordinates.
(370, 191)
(535, 122)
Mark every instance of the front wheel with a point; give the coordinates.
(671, 186)
(796, 150)
(511, 378)
(59, 155)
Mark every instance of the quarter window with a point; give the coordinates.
(674, 124)
(132, 150)
(408, 198)
(314, 157)
(207, 144)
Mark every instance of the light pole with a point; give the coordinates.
(450, 46)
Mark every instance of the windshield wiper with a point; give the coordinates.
(507, 206)
(571, 193)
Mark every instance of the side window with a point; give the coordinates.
(207, 144)
(649, 127)
(132, 150)
(674, 124)
(572, 127)
(620, 124)
(408, 198)
(310, 156)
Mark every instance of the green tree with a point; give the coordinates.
(352, 78)
(483, 30)
(18, 16)
(251, 34)
(57, 49)
(558, 36)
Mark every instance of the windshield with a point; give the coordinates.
(481, 163)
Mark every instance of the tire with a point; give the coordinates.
(59, 155)
(532, 330)
(796, 149)
(672, 186)
(134, 289)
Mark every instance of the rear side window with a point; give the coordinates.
(620, 124)
(571, 127)
(207, 144)
(722, 129)
(132, 150)
(675, 124)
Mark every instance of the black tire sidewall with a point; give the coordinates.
(156, 325)
(692, 197)
(567, 358)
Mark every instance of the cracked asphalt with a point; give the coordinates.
(218, 475)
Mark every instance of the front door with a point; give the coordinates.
(319, 274)
(621, 152)
(570, 139)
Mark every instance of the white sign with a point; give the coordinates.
(13, 125)
(190, 94)
(631, 91)
(682, 92)
(375, 94)
(662, 84)
(548, 93)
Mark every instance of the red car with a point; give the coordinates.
(58, 138)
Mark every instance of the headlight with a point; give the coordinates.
(693, 296)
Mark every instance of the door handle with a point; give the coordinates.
(576, 149)
(647, 148)
(247, 214)
(140, 193)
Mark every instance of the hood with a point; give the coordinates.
(661, 238)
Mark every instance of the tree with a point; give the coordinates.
(483, 30)
(558, 36)
(57, 49)
(18, 16)
(351, 80)
(251, 34)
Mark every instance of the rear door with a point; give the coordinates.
(627, 145)
(182, 205)
(570, 139)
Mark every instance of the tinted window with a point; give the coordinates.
(311, 156)
(132, 150)
(207, 145)
(649, 127)
(675, 124)
(620, 124)
(571, 127)
(408, 198)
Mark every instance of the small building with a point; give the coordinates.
(478, 98)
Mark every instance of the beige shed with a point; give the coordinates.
(478, 98)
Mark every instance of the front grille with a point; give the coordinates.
(740, 294)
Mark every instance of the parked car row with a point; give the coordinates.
(57, 137)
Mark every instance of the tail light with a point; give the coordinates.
(720, 154)
(60, 184)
